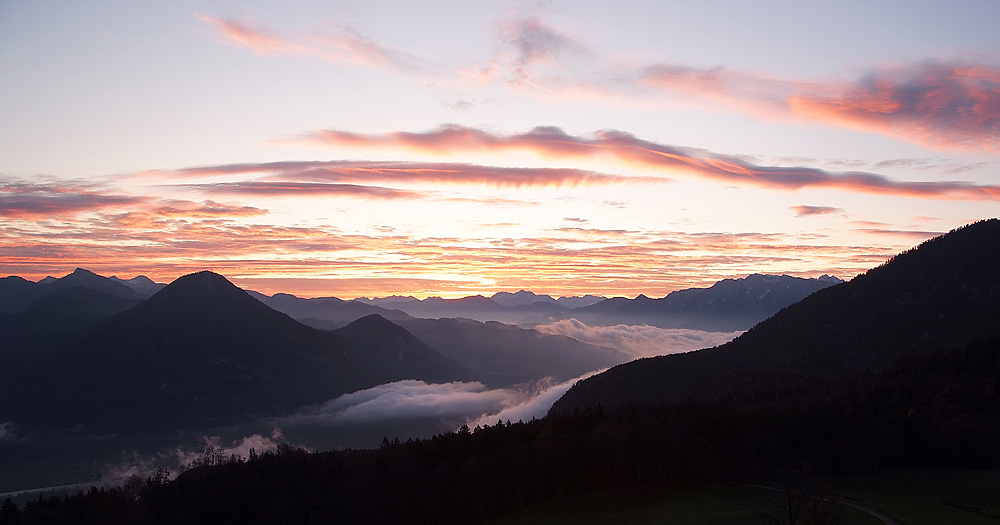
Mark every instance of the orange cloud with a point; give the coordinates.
(554, 142)
(346, 264)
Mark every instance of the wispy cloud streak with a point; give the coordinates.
(529, 41)
(806, 211)
(284, 189)
(26, 200)
(357, 172)
(625, 147)
(334, 42)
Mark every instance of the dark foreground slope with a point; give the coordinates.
(930, 410)
(944, 293)
(203, 352)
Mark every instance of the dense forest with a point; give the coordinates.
(931, 409)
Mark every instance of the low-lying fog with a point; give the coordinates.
(403, 409)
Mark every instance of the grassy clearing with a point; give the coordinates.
(721, 503)
(911, 497)
(919, 497)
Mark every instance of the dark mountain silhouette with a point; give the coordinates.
(88, 279)
(942, 294)
(141, 284)
(53, 319)
(30, 340)
(335, 311)
(385, 302)
(202, 351)
(728, 305)
(520, 298)
(397, 351)
(525, 298)
(476, 307)
(16, 294)
(502, 355)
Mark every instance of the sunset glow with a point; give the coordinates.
(371, 149)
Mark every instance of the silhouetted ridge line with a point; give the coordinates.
(943, 293)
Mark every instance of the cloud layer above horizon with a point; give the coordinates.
(564, 148)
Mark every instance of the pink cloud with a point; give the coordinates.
(285, 189)
(345, 172)
(335, 42)
(534, 42)
(624, 147)
(949, 105)
(939, 105)
(260, 40)
(921, 235)
(205, 209)
(28, 200)
(805, 211)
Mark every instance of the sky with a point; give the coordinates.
(456, 148)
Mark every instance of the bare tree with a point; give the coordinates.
(796, 499)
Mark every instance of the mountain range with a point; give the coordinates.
(16, 293)
(728, 305)
(133, 354)
(202, 352)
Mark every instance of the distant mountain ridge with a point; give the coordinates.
(942, 294)
(728, 305)
(525, 298)
(140, 284)
(336, 312)
(16, 293)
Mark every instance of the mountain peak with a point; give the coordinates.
(372, 321)
(520, 298)
(206, 294)
(88, 279)
(203, 278)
